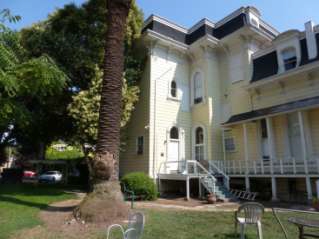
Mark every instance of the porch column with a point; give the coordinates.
(246, 150)
(247, 184)
(270, 134)
(309, 188)
(187, 188)
(303, 140)
(274, 189)
(223, 141)
(200, 193)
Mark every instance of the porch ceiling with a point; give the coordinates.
(273, 110)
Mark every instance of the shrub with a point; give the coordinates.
(69, 154)
(141, 184)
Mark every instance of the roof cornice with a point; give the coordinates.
(165, 22)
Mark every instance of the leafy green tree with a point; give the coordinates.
(24, 82)
(74, 37)
(86, 104)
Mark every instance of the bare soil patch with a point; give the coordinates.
(58, 222)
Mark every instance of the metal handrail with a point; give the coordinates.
(212, 164)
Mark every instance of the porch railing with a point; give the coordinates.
(189, 168)
(288, 166)
(186, 167)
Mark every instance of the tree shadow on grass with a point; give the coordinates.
(41, 206)
(36, 190)
(231, 235)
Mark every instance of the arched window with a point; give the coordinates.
(199, 144)
(173, 134)
(198, 88)
(289, 58)
(173, 89)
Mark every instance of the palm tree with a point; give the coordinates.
(106, 200)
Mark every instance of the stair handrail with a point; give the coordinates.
(207, 173)
(212, 164)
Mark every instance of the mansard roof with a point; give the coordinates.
(266, 65)
(218, 30)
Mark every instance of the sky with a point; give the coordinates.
(281, 14)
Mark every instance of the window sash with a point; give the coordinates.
(173, 89)
(229, 143)
(140, 145)
(199, 152)
(198, 88)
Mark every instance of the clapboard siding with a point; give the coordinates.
(130, 161)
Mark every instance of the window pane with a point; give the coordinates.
(229, 144)
(198, 88)
(199, 136)
(289, 58)
(173, 89)
(140, 144)
(174, 133)
(199, 152)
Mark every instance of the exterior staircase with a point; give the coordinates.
(211, 177)
(217, 188)
(215, 181)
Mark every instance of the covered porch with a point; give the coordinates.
(275, 142)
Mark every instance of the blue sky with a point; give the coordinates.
(282, 14)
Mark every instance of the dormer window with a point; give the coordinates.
(289, 58)
(198, 88)
(173, 89)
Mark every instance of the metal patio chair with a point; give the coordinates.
(297, 223)
(249, 214)
(134, 229)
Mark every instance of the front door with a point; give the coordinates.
(172, 155)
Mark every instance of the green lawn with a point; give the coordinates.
(203, 225)
(20, 204)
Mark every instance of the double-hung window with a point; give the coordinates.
(229, 141)
(198, 88)
(140, 145)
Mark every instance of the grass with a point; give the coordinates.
(20, 205)
(203, 225)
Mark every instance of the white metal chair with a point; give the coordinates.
(285, 218)
(134, 229)
(249, 214)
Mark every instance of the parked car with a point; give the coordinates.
(28, 174)
(51, 176)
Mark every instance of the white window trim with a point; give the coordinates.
(178, 95)
(194, 140)
(136, 146)
(193, 87)
(292, 43)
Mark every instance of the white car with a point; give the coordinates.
(50, 176)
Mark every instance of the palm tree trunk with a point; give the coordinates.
(106, 201)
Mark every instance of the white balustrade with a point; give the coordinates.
(288, 166)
